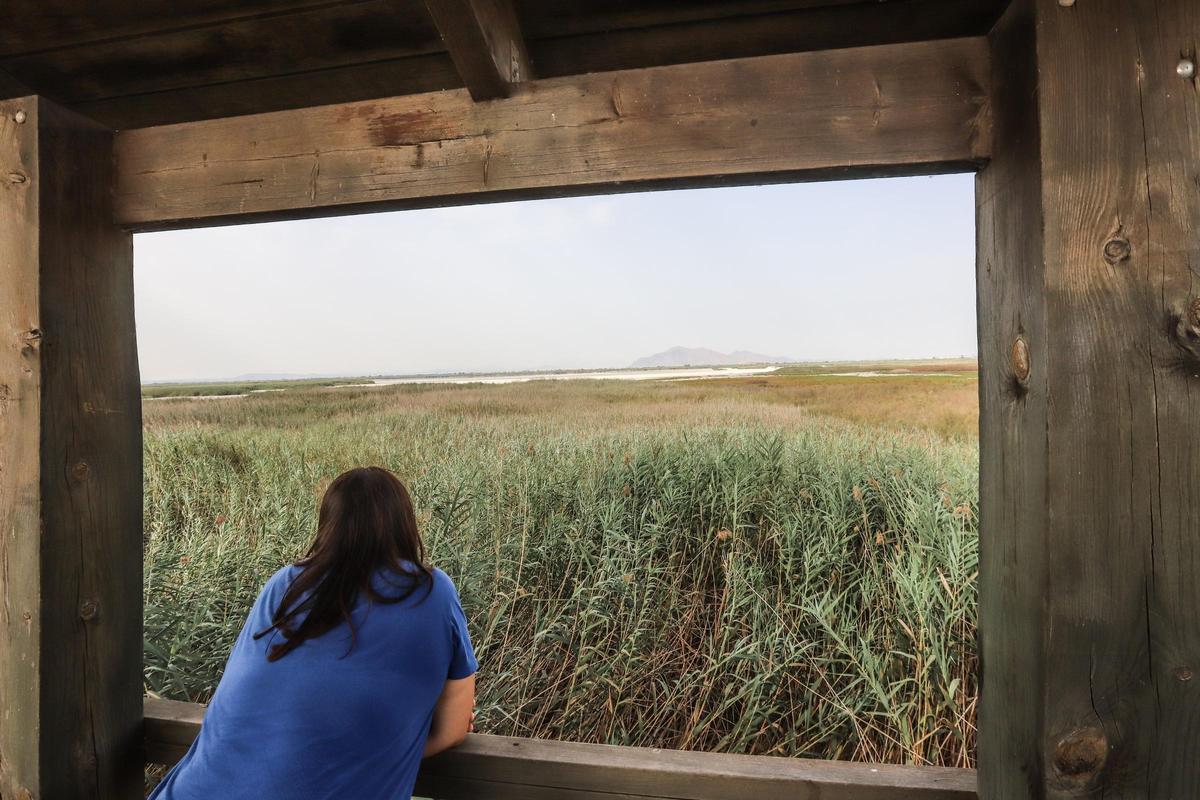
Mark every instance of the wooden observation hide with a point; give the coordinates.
(1080, 117)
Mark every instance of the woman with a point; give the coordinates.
(354, 663)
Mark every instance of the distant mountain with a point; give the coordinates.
(703, 357)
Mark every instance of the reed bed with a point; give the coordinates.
(697, 566)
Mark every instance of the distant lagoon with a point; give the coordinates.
(681, 373)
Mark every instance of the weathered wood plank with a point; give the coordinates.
(656, 39)
(552, 18)
(1089, 246)
(170, 728)
(304, 40)
(504, 768)
(356, 82)
(885, 110)
(484, 39)
(70, 465)
(508, 767)
(11, 87)
(39, 25)
(1012, 423)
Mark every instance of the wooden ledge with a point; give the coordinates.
(506, 768)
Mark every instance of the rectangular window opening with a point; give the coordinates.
(702, 464)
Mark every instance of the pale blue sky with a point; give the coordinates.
(841, 270)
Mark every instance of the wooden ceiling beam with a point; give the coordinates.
(894, 109)
(11, 87)
(416, 74)
(484, 40)
(595, 45)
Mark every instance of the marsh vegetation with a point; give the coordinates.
(781, 564)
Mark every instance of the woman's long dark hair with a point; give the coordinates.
(366, 525)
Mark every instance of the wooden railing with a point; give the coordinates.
(489, 767)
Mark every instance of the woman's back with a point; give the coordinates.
(339, 716)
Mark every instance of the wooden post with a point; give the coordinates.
(70, 466)
(1089, 313)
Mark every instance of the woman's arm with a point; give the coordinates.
(452, 716)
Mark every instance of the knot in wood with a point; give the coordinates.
(1019, 359)
(88, 610)
(31, 340)
(1081, 755)
(80, 471)
(1116, 250)
(17, 177)
(1183, 674)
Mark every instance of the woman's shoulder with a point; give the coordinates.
(425, 584)
(277, 585)
(442, 583)
(283, 576)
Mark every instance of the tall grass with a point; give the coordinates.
(684, 566)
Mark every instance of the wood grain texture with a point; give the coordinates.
(34, 26)
(485, 41)
(306, 40)
(70, 479)
(170, 728)
(11, 87)
(505, 768)
(894, 109)
(551, 18)
(1012, 424)
(1089, 247)
(685, 35)
(152, 62)
(426, 73)
(20, 434)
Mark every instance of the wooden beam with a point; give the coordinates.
(1089, 298)
(565, 43)
(550, 18)
(70, 465)
(11, 87)
(40, 25)
(506, 768)
(356, 82)
(484, 39)
(170, 728)
(896, 109)
(288, 42)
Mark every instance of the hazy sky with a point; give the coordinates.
(842, 270)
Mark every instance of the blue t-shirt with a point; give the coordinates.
(328, 720)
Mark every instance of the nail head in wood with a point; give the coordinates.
(1019, 359)
(20, 117)
(1186, 68)
(1066, 3)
